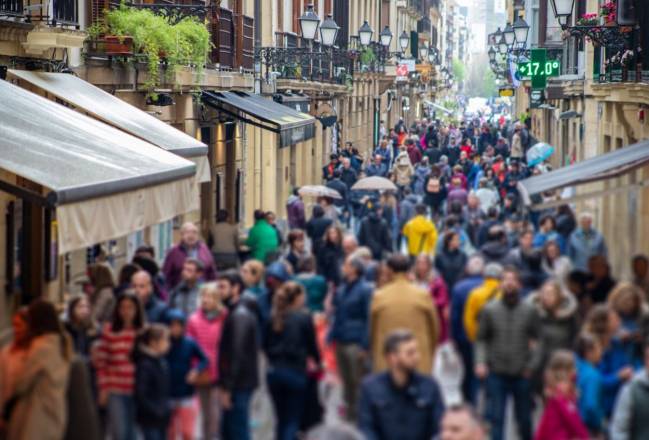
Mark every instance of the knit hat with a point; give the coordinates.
(175, 315)
(493, 270)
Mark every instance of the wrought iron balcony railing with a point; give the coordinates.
(11, 8)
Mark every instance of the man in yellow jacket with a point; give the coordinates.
(480, 296)
(421, 233)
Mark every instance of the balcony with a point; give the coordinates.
(11, 8)
(294, 58)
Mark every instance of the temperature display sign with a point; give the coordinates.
(539, 68)
(535, 68)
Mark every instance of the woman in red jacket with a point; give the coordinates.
(561, 419)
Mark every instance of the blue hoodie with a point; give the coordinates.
(614, 358)
(589, 385)
(184, 356)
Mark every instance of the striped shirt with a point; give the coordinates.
(115, 369)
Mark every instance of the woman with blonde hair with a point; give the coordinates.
(206, 326)
(290, 340)
(252, 274)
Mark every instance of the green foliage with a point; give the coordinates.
(184, 43)
(95, 31)
(367, 56)
(459, 71)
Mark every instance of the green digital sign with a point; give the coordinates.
(539, 68)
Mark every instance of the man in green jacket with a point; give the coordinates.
(262, 238)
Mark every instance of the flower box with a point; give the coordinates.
(116, 45)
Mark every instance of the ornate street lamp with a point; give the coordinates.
(309, 22)
(365, 34)
(423, 51)
(509, 35)
(496, 36)
(492, 54)
(329, 31)
(521, 31)
(563, 10)
(386, 36)
(502, 45)
(404, 40)
(432, 55)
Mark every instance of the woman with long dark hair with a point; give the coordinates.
(80, 325)
(330, 255)
(290, 340)
(38, 403)
(115, 368)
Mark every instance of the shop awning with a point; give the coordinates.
(438, 107)
(598, 168)
(102, 182)
(118, 113)
(292, 126)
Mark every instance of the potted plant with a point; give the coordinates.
(588, 20)
(608, 11)
(185, 43)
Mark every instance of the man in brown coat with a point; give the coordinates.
(402, 305)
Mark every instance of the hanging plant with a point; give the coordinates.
(588, 20)
(185, 43)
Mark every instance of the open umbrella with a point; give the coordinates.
(319, 191)
(538, 153)
(375, 183)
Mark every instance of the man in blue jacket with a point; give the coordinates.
(459, 296)
(350, 329)
(400, 403)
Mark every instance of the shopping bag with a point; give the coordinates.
(449, 372)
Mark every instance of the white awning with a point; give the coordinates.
(120, 114)
(102, 182)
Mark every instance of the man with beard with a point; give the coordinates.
(504, 355)
(238, 357)
(400, 403)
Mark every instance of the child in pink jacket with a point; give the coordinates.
(561, 419)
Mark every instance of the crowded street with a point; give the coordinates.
(327, 220)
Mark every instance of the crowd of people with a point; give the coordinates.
(429, 306)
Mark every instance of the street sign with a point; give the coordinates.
(539, 68)
(506, 92)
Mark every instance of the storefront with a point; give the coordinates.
(69, 181)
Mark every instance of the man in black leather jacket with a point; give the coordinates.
(238, 357)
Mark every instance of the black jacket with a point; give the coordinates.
(290, 347)
(315, 229)
(375, 234)
(389, 413)
(349, 177)
(238, 365)
(151, 390)
(340, 186)
(329, 259)
(450, 265)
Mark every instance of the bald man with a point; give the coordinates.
(190, 246)
(154, 309)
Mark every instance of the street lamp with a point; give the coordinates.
(423, 51)
(404, 40)
(365, 34)
(328, 31)
(502, 45)
(562, 10)
(521, 31)
(386, 36)
(509, 35)
(432, 55)
(495, 37)
(492, 54)
(309, 22)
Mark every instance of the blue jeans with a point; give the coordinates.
(288, 391)
(150, 433)
(469, 382)
(499, 387)
(121, 416)
(236, 422)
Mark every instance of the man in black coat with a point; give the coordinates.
(238, 357)
(338, 185)
(375, 234)
(400, 403)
